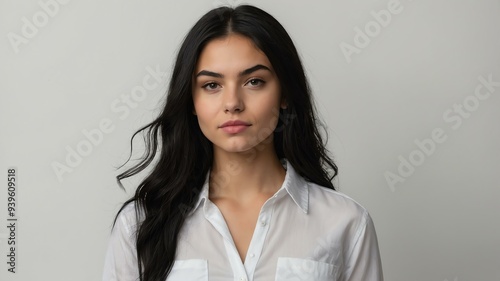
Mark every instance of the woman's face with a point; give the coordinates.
(236, 94)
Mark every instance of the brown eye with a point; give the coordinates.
(210, 86)
(255, 82)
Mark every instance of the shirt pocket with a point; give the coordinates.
(295, 269)
(193, 270)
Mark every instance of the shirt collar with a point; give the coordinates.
(294, 185)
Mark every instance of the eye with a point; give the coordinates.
(210, 86)
(255, 82)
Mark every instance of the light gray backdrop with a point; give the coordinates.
(410, 91)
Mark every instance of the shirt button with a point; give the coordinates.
(252, 255)
(243, 279)
(263, 223)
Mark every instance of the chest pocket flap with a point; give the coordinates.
(193, 270)
(295, 269)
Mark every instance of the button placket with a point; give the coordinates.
(259, 236)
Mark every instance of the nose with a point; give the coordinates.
(233, 101)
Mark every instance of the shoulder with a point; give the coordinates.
(335, 204)
(127, 220)
(345, 217)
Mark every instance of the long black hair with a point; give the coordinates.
(181, 156)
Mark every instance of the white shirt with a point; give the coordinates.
(304, 232)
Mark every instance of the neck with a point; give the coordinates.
(244, 176)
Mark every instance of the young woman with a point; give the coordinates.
(240, 186)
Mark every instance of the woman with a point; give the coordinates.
(240, 186)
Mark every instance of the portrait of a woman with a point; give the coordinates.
(240, 179)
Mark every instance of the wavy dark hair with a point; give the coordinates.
(181, 156)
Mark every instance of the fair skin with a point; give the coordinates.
(234, 81)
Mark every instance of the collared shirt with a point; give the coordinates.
(304, 232)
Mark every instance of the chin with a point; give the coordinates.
(242, 145)
(235, 147)
(238, 149)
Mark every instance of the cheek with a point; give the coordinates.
(205, 113)
(203, 117)
(269, 116)
(270, 110)
(272, 119)
(204, 125)
(202, 108)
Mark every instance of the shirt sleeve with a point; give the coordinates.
(121, 258)
(363, 262)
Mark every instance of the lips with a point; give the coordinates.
(234, 126)
(234, 123)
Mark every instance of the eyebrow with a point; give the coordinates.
(242, 73)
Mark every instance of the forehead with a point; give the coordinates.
(233, 52)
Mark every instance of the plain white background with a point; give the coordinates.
(69, 66)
